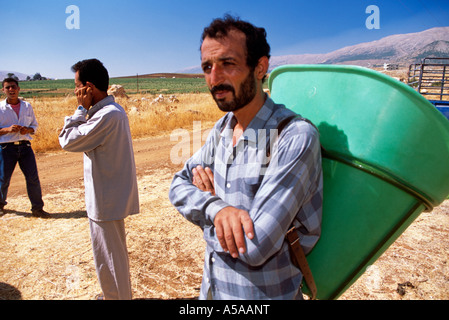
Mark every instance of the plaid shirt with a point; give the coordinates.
(275, 192)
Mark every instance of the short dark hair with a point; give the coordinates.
(92, 70)
(9, 80)
(256, 38)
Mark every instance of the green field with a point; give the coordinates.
(143, 85)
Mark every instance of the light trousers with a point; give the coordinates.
(111, 258)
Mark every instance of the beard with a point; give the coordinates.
(247, 93)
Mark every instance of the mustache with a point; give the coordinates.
(222, 87)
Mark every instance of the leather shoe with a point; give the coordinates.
(40, 214)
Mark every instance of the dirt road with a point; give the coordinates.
(62, 169)
(40, 257)
(51, 259)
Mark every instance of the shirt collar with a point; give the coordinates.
(260, 119)
(7, 104)
(100, 104)
(257, 123)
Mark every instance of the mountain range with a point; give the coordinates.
(21, 76)
(402, 49)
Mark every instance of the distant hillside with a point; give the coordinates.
(167, 75)
(194, 70)
(21, 76)
(436, 49)
(400, 49)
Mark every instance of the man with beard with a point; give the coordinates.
(246, 185)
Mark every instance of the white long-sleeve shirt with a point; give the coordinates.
(109, 168)
(8, 117)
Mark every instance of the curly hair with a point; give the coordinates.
(256, 38)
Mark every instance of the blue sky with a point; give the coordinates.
(138, 37)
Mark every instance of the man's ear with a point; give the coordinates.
(262, 68)
(91, 86)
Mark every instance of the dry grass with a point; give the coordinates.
(52, 259)
(419, 258)
(43, 259)
(50, 113)
(146, 119)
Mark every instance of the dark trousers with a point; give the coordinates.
(12, 154)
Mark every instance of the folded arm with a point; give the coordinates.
(287, 185)
(185, 193)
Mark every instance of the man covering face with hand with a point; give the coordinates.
(100, 129)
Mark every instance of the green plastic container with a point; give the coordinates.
(386, 160)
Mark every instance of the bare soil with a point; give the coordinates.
(51, 259)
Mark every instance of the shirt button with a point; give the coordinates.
(228, 185)
(213, 260)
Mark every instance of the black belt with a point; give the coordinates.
(16, 143)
